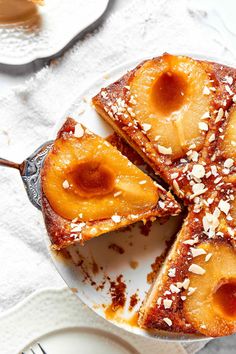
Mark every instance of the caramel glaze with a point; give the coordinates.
(92, 179)
(168, 93)
(117, 316)
(225, 298)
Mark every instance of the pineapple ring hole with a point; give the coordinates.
(224, 298)
(168, 92)
(92, 178)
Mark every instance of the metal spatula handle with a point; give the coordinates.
(30, 172)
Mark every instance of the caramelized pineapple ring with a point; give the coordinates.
(88, 178)
(228, 145)
(212, 307)
(169, 95)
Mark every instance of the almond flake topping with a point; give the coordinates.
(193, 156)
(161, 204)
(146, 127)
(174, 175)
(174, 289)
(167, 321)
(229, 79)
(203, 126)
(176, 186)
(196, 269)
(186, 283)
(164, 150)
(212, 138)
(65, 184)
(211, 222)
(77, 227)
(79, 131)
(208, 257)
(214, 170)
(206, 91)
(116, 194)
(171, 272)
(197, 251)
(191, 242)
(205, 115)
(198, 171)
(224, 206)
(220, 115)
(191, 290)
(116, 218)
(133, 216)
(228, 163)
(167, 303)
(228, 89)
(217, 180)
(198, 188)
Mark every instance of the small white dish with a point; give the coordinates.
(86, 340)
(58, 24)
(62, 324)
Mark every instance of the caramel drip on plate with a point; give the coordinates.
(17, 11)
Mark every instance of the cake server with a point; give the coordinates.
(30, 172)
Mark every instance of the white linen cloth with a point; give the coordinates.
(28, 113)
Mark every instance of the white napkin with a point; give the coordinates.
(28, 114)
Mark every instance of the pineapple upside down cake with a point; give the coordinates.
(179, 115)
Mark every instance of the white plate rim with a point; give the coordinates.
(51, 310)
(45, 55)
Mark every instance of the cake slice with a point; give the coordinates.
(89, 188)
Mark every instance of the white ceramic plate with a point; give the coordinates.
(59, 24)
(137, 247)
(89, 341)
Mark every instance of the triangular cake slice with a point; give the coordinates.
(176, 113)
(89, 188)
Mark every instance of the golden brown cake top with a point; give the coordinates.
(90, 188)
